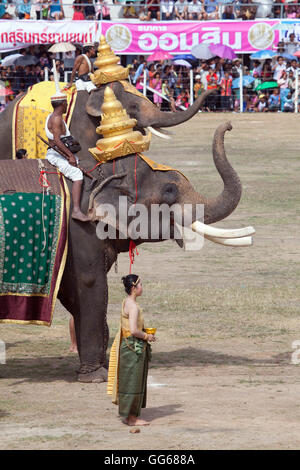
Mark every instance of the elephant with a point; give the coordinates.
(84, 290)
(88, 109)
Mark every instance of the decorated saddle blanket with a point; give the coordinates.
(30, 114)
(34, 209)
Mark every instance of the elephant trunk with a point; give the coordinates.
(169, 119)
(220, 207)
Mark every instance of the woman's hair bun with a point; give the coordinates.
(129, 281)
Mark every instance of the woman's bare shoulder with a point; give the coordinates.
(129, 306)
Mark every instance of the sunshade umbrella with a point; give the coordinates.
(266, 86)
(184, 57)
(247, 80)
(225, 52)
(10, 60)
(159, 55)
(26, 60)
(62, 47)
(183, 63)
(263, 55)
(202, 51)
(6, 91)
(287, 56)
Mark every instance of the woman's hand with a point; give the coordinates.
(151, 338)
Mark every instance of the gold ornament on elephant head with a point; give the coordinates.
(119, 138)
(107, 64)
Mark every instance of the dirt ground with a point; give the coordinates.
(222, 375)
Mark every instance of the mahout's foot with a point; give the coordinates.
(73, 349)
(78, 215)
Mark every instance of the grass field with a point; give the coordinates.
(222, 374)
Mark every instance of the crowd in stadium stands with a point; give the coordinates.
(172, 82)
(145, 10)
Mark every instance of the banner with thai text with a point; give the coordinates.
(144, 38)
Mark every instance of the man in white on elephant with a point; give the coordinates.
(59, 153)
(84, 67)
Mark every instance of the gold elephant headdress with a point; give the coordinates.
(106, 62)
(119, 138)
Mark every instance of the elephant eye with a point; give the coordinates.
(170, 193)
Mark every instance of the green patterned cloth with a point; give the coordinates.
(135, 355)
(29, 231)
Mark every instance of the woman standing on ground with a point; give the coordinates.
(129, 357)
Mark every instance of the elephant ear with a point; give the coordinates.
(94, 103)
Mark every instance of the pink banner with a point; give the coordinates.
(140, 37)
(180, 37)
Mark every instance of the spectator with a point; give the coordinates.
(178, 87)
(78, 11)
(102, 10)
(236, 68)
(172, 77)
(24, 9)
(212, 9)
(278, 68)
(246, 12)
(291, 81)
(293, 67)
(89, 10)
(140, 71)
(157, 85)
(56, 10)
(267, 72)
(4, 15)
(288, 104)
(153, 11)
(195, 11)
(283, 83)
(183, 99)
(44, 61)
(228, 13)
(29, 77)
(198, 87)
(262, 106)
(167, 10)
(257, 68)
(257, 80)
(212, 84)
(280, 47)
(38, 8)
(45, 9)
(165, 91)
(180, 10)
(274, 101)
(252, 103)
(226, 92)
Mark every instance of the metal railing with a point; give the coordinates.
(140, 10)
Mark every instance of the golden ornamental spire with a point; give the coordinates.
(106, 62)
(119, 138)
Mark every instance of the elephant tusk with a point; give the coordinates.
(243, 241)
(158, 133)
(203, 229)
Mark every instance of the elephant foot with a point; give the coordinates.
(96, 376)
